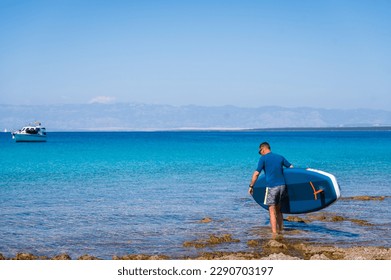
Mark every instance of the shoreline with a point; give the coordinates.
(273, 249)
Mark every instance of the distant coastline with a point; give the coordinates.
(358, 128)
(217, 129)
(149, 117)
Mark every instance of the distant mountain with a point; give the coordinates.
(121, 117)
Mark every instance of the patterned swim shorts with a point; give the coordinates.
(275, 195)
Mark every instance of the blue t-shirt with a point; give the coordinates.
(272, 164)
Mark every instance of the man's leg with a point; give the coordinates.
(273, 218)
(280, 218)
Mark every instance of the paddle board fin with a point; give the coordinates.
(316, 192)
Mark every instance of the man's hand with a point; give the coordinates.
(251, 190)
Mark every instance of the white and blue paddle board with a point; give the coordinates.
(309, 190)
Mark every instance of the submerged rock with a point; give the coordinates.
(253, 243)
(295, 219)
(206, 220)
(141, 257)
(326, 217)
(213, 240)
(365, 198)
(228, 256)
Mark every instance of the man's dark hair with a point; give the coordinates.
(264, 145)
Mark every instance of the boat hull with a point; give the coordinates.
(29, 138)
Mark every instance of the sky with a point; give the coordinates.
(247, 53)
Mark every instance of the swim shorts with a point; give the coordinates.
(275, 195)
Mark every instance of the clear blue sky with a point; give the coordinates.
(326, 54)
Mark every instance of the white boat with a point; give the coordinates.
(31, 133)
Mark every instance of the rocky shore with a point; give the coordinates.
(276, 248)
(268, 250)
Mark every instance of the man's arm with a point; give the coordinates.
(253, 180)
(287, 164)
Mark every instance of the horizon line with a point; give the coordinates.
(195, 105)
(211, 129)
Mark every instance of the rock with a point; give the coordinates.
(159, 257)
(366, 198)
(87, 257)
(226, 238)
(206, 220)
(275, 245)
(318, 217)
(337, 219)
(367, 253)
(253, 243)
(63, 257)
(279, 256)
(213, 240)
(141, 257)
(360, 222)
(228, 256)
(319, 257)
(295, 219)
(25, 256)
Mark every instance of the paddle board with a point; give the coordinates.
(309, 190)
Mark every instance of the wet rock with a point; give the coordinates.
(228, 256)
(226, 238)
(274, 244)
(28, 256)
(87, 258)
(308, 251)
(294, 232)
(63, 257)
(253, 243)
(337, 219)
(366, 198)
(195, 244)
(2, 257)
(213, 240)
(328, 217)
(295, 219)
(141, 257)
(25, 256)
(206, 220)
(360, 222)
(318, 217)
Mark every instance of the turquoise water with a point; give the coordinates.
(118, 193)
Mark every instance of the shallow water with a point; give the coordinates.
(118, 193)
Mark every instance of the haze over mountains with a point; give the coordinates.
(129, 117)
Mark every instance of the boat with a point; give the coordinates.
(30, 133)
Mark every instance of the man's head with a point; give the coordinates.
(264, 148)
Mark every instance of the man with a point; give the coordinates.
(272, 164)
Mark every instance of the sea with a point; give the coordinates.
(117, 193)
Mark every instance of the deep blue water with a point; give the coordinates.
(114, 193)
